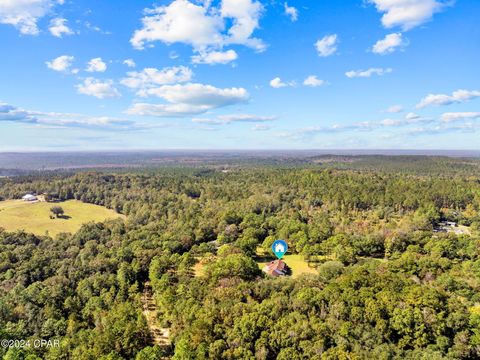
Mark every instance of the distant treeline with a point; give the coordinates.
(116, 161)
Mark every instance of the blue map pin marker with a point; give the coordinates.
(279, 248)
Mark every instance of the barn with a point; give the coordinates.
(29, 197)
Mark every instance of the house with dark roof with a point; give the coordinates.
(275, 268)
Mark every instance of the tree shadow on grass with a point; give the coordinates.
(63, 217)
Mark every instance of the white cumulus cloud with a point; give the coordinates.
(199, 94)
(458, 96)
(24, 14)
(313, 81)
(188, 99)
(58, 27)
(291, 12)
(61, 63)
(367, 73)
(245, 15)
(215, 57)
(407, 13)
(130, 63)
(152, 77)
(98, 88)
(389, 44)
(201, 26)
(181, 21)
(277, 83)
(327, 45)
(96, 65)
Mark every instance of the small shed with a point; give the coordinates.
(29, 197)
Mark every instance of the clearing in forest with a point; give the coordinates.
(295, 262)
(160, 336)
(35, 217)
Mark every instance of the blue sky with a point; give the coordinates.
(239, 74)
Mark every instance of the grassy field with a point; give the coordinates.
(35, 217)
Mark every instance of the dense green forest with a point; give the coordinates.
(389, 285)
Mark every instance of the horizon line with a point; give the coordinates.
(273, 150)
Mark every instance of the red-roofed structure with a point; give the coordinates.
(275, 268)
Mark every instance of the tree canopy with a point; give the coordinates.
(390, 285)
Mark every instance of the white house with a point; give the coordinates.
(29, 197)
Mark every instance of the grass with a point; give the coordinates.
(35, 217)
(202, 262)
(199, 269)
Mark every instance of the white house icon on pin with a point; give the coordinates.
(279, 248)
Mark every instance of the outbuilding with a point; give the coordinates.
(29, 197)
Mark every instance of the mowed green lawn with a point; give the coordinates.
(35, 217)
